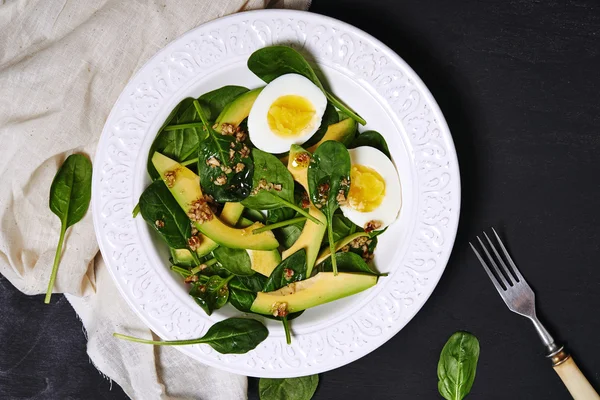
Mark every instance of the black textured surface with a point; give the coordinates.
(518, 83)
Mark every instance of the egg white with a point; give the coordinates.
(388, 210)
(259, 131)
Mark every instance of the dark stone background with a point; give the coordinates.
(518, 83)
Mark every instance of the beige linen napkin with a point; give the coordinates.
(62, 66)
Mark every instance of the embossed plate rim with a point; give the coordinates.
(233, 363)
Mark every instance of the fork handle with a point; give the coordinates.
(572, 377)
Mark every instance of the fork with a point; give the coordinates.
(520, 299)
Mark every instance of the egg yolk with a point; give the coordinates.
(289, 115)
(367, 188)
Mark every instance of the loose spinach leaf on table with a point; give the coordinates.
(288, 388)
(236, 261)
(70, 195)
(243, 289)
(271, 62)
(371, 139)
(329, 182)
(272, 185)
(457, 366)
(230, 336)
(348, 262)
(290, 270)
(212, 294)
(162, 212)
(224, 164)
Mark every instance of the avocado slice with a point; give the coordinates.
(238, 110)
(344, 131)
(182, 257)
(312, 234)
(264, 261)
(185, 187)
(320, 289)
(230, 214)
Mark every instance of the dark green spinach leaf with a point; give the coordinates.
(329, 182)
(214, 102)
(371, 139)
(243, 289)
(290, 270)
(271, 62)
(212, 294)
(348, 262)
(70, 195)
(457, 366)
(230, 336)
(288, 388)
(236, 261)
(224, 164)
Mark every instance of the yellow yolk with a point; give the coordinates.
(290, 115)
(367, 188)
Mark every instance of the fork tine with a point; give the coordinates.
(501, 261)
(499, 288)
(508, 257)
(505, 279)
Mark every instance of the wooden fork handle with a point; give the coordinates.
(572, 377)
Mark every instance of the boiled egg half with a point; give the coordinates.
(375, 197)
(287, 111)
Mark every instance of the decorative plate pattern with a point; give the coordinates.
(163, 81)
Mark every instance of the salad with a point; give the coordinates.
(254, 190)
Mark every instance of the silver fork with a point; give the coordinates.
(520, 299)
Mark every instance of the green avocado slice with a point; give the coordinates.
(320, 289)
(185, 187)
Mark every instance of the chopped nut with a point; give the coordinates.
(226, 169)
(344, 182)
(200, 210)
(288, 273)
(194, 242)
(213, 162)
(277, 187)
(239, 167)
(191, 279)
(227, 129)
(323, 193)
(280, 309)
(372, 226)
(240, 135)
(202, 288)
(359, 242)
(232, 145)
(231, 154)
(159, 223)
(345, 249)
(367, 257)
(245, 152)
(304, 201)
(170, 178)
(301, 160)
(220, 180)
(341, 197)
(194, 231)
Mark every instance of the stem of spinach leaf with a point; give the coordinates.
(208, 263)
(295, 207)
(331, 243)
(189, 162)
(136, 210)
(286, 328)
(181, 271)
(160, 342)
(278, 225)
(183, 126)
(61, 239)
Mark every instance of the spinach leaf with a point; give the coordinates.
(70, 195)
(253, 215)
(162, 212)
(371, 139)
(230, 336)
(212, 294)
(457, 366)
(272, 185)
(224, 163)
(271, 62)
(280, 214)
(178, 144)
(288, 235)
(243, 289)
(290, 270)
(348, 262)
(236, 261)
(215, 101)
(341, 227)
(288, 388)
(329, 182)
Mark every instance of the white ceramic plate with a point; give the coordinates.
(362, 72)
